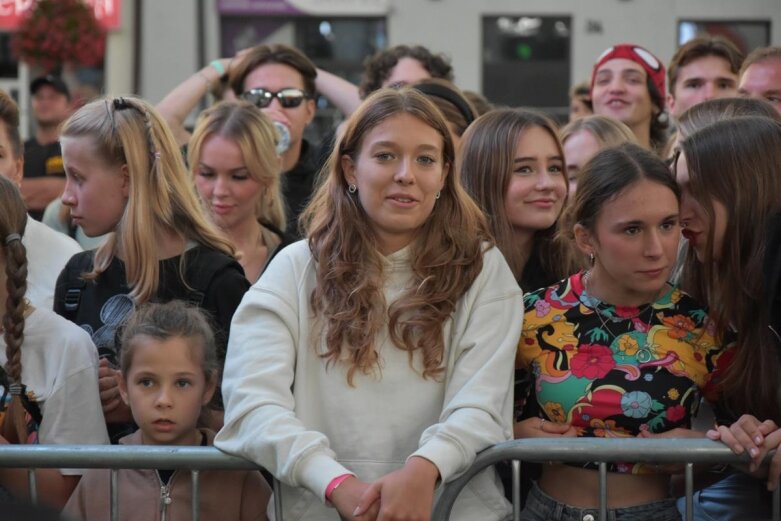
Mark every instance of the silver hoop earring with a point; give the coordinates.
(438, 194)
(352, 189)
(591, 258)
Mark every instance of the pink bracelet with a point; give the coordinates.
(334, 484)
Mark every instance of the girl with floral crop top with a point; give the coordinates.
(616, 351)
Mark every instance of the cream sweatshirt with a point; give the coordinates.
(297, 417)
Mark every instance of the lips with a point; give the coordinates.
(164, 425)
(402, 198)
(221, 209)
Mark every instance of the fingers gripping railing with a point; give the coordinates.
(580, 450)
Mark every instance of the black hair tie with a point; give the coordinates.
(447, 94)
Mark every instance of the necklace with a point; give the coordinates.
(644, 352)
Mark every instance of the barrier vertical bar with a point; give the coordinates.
(277, 500)
(516, 490)
(689, 492)
(603, 491)
(33, 486)
(114, 491)
(195, 475)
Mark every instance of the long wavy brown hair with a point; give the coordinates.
(446, 254)
(738, 163)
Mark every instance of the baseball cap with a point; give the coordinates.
(54, 82)
(653, 67)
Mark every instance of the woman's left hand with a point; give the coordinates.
(406, 494)
(756, 437)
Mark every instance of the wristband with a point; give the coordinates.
(334, 484)
(218, 66)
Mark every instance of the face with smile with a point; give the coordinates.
(578, 149)
(398, 171)
(166, 388)
(762, 80)
(634, 242)
(705, 78)
(537, 188)
(621, 92)
(695, 219)
(224, 183)
(95, 191)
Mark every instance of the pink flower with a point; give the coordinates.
(542, 308)
(592, 361)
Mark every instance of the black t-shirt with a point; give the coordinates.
(41, 161)
(298, 184)
(104, 305)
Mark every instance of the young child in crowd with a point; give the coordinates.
(168, 374)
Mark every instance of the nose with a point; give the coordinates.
(405, 173)
(220, 188)
(616, 84)
(709, 92)
(653, 244)
(545, 180)
(164, 397)
(68, 196)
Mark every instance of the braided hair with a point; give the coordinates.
(13, 220)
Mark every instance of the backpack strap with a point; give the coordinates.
(202, 265)
(75, 284)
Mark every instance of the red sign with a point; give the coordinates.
(106, 12)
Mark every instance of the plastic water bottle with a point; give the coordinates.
(284, 137)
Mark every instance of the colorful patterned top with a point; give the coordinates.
(615, 371)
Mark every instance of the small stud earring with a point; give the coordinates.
(438, 194)
(352, 189)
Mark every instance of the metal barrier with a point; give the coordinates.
(659, 450)
(683, 450)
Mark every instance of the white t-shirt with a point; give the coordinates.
(60, 366)
(47, 253)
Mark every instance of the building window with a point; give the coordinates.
(746, 35)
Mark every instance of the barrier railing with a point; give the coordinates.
(688, 451)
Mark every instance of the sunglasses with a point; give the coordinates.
(288, 98)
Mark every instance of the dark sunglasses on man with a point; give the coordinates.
(288, 98)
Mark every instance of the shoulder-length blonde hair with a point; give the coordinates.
(129, 131)
(738, 163)
(254, 134)
(486, 163)
(446, 255)
(607, 132)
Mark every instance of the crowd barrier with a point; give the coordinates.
(687, 451)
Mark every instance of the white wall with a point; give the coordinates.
(169, 51)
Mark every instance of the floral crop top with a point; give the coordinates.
(615, 371)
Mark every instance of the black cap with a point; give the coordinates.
(54, 82)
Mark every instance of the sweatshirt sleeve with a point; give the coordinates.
(260, 420)
(477, 410)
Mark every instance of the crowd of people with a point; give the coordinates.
(361, 317)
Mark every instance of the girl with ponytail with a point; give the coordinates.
(125, 176)
(49, 366)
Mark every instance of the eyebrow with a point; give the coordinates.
(636, 222)
(232, 170)
(393, 144)
(533, 159)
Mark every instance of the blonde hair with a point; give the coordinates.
(446, 255)
(253, 132)
(129, 131)
(608, 132)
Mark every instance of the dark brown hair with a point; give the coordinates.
(378, 67)
(738, 163)
(699, 48)
(264, 54)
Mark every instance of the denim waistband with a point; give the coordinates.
(540, 506)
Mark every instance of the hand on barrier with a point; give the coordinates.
(748, 434)
(405, 494)
(542, 428)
